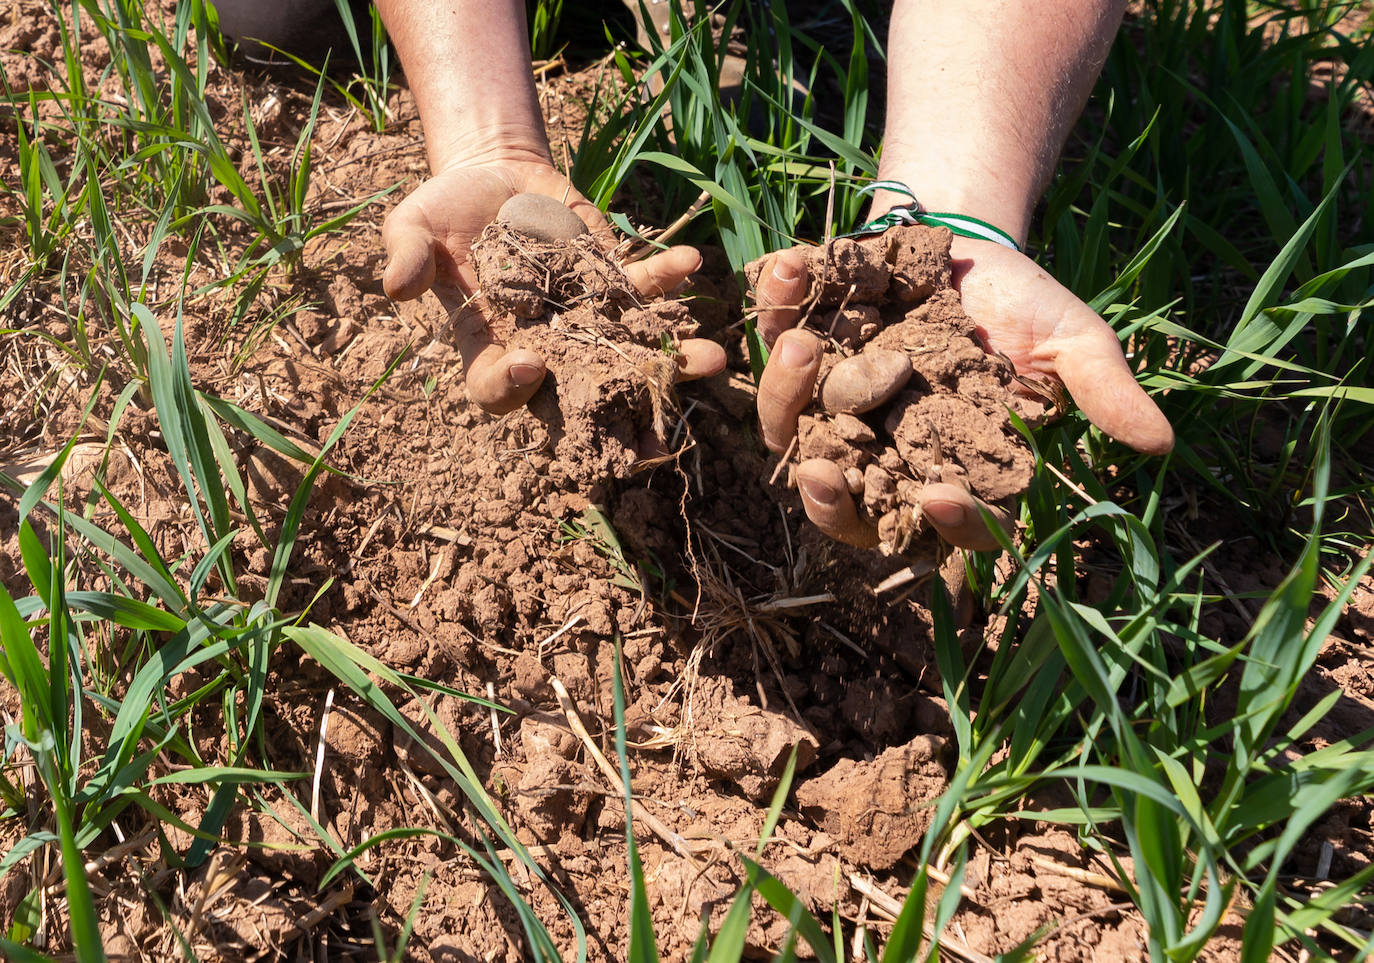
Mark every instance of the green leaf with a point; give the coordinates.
(904, 942)
(782, 899)
(728, 946)
(1272, 281)
(643, 944)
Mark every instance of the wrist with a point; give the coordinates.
(514, 144)
(998, 198)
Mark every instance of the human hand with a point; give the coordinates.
(427, 239)
(1021, 312)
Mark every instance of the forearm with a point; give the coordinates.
(981, 96)
(468, 66)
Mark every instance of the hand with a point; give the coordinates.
(1021, 312)
(427, 239)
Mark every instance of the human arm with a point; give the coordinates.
(981, 97)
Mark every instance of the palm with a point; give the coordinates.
(427, 240)
(430, 232)
(1020, 311)
(1025, 314)
(454, 208)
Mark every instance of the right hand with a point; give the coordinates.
(427, 239)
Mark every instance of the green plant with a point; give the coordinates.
(768, 183)
(49, 208)
(374, 67)
(1210, 208)
(374, 64)
(544, 17)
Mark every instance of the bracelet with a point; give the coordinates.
(914, 213)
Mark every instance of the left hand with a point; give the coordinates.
(1020, 312)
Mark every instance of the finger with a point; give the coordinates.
(787, 386)
(829, 505)
(955, 514)
(591, 215)
(661, 273)
(410, 264)
(781, 289)
(498, 380)
(1103, 386)
(699, 358)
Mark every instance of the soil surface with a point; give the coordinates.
(473, 551)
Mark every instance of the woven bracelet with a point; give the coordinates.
(913, 213)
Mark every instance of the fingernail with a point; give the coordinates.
(945, 514)
(794, 353)
(817, 490)
(784, 270)
(524, 374)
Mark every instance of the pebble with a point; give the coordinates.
(540, 217)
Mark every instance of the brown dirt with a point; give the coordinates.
(463, 552)
(608, 395)
(888, 300)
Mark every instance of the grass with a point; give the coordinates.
(1213, 205)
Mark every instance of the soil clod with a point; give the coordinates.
(612, 357)
(908, 396)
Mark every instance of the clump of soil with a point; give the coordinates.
(878, 809)
(608, 396)
(907, 394)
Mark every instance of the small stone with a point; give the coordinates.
(865, 381)
(541, 217)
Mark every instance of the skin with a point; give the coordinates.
(468, 66)
(1020, 74)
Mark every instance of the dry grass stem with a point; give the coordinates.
(892, 908)
(557, 634)
(319, 755)
(782, 462)
(776, 605)
(435, 569)
(1086, 877)
(495, 722)
(912, 572)
(675, 841)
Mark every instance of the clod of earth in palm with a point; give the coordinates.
(611, 354)
(906, 394)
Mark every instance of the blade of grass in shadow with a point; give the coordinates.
(643, 947)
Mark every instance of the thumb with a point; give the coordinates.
(410, 261)
(1103, 386)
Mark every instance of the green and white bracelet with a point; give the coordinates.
(913, 213)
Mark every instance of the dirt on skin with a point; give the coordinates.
(463, 552)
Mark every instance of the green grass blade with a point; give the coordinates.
(643, 946)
